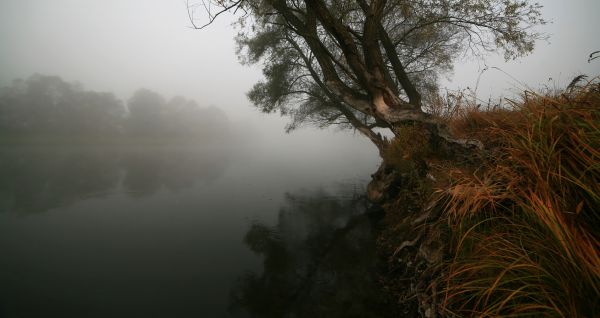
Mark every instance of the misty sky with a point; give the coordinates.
(119, 46)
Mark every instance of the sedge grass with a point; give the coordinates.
(526, 225)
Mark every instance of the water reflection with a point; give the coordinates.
(174, 168)
(318, 261)
(35, 179)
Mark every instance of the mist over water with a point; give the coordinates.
(154, 206)
(137, 180)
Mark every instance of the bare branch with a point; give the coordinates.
(211, 17)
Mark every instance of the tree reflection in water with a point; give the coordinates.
(35, 179)
(318, 261)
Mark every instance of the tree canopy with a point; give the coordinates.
(366, 63)
(42, 105)
(47, 106)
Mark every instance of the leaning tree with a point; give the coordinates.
(367, 64)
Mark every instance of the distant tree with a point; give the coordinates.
(187, 119)
(367, 63)
(50, 106)
(146, 114)
(183, 116)
(150, 115)
(98, 114)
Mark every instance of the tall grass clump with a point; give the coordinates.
(526, 225)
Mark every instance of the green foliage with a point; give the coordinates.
(427, 36)
(271, 94)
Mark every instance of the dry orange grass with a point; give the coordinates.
(527, 223)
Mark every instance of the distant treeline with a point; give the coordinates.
(48, 107)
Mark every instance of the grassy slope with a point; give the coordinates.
(526, 225)
(522, 225)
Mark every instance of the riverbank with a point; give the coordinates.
(511, 231)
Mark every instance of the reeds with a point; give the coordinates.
(527, 224)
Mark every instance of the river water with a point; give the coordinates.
(261, 230)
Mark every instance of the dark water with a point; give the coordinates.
(180, 231)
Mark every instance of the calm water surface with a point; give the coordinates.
(182, 231)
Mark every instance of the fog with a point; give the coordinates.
(120, 46)
(572, 37)
(136, 179)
